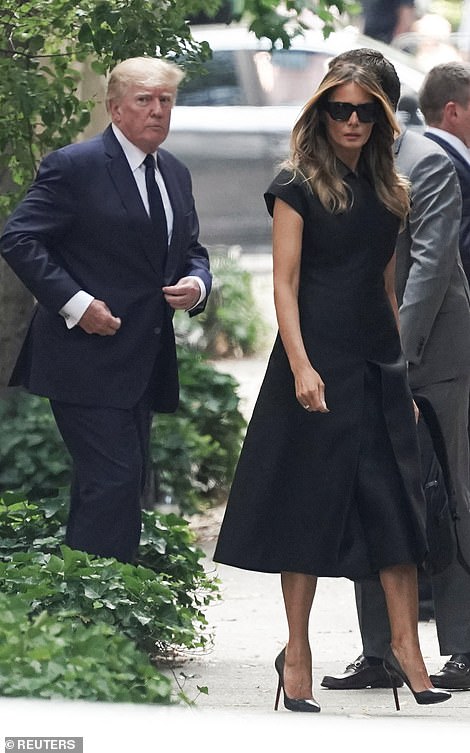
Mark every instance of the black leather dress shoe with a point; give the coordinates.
(359, 675)
(454, 675)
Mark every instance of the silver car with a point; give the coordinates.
(232, 126)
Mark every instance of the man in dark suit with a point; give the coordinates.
(445, 103)
(107, 241)
(434, 310)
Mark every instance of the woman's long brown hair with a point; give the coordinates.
(313, 157)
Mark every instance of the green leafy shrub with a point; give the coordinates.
(157, 603)
(66, 615)
(32, 455)
(47, 657)
(142, 604)
(231, 324)
(31, 526)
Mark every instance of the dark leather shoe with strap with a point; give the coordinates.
(359, 675)
(454, 675)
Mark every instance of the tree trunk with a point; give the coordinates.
(16, 304)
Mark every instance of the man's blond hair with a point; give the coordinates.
(142, 71)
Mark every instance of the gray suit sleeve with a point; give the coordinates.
(432, 235)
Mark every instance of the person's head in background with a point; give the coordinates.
(445, 99)
(406, 106)
(376, 63)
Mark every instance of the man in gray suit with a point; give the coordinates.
(445, 103)
(433, 297)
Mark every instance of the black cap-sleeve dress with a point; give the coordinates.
(338, 493)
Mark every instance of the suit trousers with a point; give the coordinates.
(109, 449)
(451, 588)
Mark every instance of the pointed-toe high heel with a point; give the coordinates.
(393, 667)
(291, 704)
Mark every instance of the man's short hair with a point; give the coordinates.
(376, 63)
(447, 82)
(143, 71)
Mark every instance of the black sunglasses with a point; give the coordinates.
(367, 113)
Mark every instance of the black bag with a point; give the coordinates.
(441, 512)
(439, 524)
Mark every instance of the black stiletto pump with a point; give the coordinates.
(393, 667)
(291, 704)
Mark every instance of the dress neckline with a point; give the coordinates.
(344, 170)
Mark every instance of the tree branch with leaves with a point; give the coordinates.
(41, 42)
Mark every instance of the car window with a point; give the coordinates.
(289, 77)
(220, 83)
(256, 77)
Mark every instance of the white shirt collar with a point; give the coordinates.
(454, 141)
(134, 155)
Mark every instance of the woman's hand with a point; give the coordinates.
(310, 390)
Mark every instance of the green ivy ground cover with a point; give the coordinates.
(77, 626)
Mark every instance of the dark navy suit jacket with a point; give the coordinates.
(463, 172)
(83, 225)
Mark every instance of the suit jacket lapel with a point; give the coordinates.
(449, 149)
(126, 187)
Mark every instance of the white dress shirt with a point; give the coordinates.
(76, 306)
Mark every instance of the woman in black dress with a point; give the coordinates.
(328, 481)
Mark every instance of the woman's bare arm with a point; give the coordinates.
(287, 245)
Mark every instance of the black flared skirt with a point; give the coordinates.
(337, 494)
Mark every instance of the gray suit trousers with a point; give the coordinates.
(451, 589)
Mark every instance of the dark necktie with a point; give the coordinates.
(157, 212)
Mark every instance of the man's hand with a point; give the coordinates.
(98, 320)
(184, 295)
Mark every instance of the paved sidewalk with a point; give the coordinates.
(250, 629)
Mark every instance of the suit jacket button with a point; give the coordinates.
(157, 330)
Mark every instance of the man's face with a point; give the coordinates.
(143, 115)
(462, 121)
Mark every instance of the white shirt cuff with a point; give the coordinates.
(75, 307)
(202, 294)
